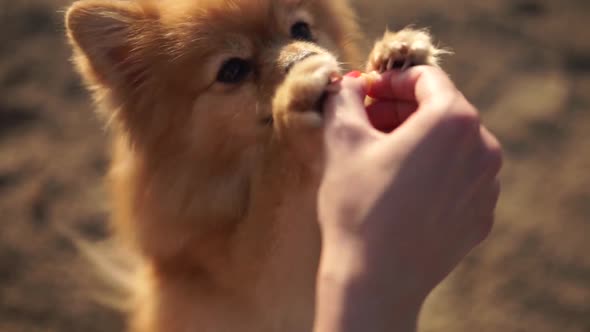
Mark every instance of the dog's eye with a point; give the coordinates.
(301, 31)
(234, 71)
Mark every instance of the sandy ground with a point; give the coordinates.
(524, 63)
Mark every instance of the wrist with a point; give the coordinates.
(355, 296)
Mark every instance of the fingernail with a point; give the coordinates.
(354, 74)
(371, 78)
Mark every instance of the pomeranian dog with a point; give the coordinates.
(215, 111)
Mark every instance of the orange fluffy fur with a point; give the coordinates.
(214, 183)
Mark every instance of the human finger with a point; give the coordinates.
(346, 119)
(419, 84)
(386, 115)
(493, 149)
(482, 211)
(485, 159)
(348, 102)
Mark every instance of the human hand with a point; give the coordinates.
(398, 211)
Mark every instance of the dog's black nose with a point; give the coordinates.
(298, 58)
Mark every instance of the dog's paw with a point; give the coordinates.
(298, 102)
(403, 49)
(297, 107)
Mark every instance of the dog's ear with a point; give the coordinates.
(110, 39)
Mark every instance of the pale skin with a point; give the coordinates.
(399, 210)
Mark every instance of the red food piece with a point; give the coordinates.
(354, 73)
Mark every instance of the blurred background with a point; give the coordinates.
(524, 63)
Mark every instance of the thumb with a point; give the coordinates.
(346, 109)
